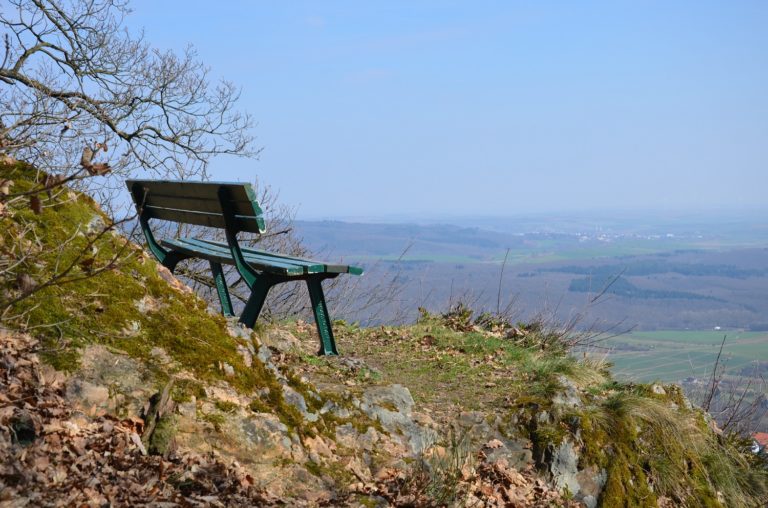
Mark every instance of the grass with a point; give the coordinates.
(445, 368)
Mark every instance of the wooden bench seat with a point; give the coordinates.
(258, 259)
(233, 208)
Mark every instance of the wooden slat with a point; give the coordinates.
(200, 190)
(306, 267)
(328, 268)
(249, 224)
(257, 262)
(221, 256)
(244, 208)
(265, 257)
(197, 196)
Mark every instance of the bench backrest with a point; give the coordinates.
(199, 203)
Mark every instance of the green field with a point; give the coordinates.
(674, 355)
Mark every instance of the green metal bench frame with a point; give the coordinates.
(232, 207)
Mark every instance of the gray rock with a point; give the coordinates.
(475, 429)
(89, 396)
(246, 354)
(125, 382)
(160, 356)
(296, 399)
(264, 355)
(392, 406)
(335, 409)
(569, 397)
(564, 467)
(591, 483)
(95, 225)
(237, 329)
(281, 340)
(188, 409)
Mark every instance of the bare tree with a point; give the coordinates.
(76, 85)
(81, 95)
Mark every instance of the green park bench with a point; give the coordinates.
(233, 208)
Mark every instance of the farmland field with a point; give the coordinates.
(674, 355)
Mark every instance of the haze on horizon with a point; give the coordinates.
(490, 108)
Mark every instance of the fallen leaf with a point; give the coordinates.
(35, 204)
(87, 265)
(494, 443)
(25, 283)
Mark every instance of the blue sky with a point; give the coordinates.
(427, 108)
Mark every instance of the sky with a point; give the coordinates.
(442, 108)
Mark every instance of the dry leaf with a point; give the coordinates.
(494, 443)
(87, 265)
(99, 169)
(25, 283)
(35, 204)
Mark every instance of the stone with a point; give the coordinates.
(473, 427)
(392, 406)
(591, 482)
(281, 340)
(264, 355)
(172, 281)
(188, 409)
(564, 467)
(93, 399)
(148, 304)
(160, 356)
(296, 399)
(131, 329)
(658, 389)
(246, 354)
(389, 405)
(569, 397)
(95, 225)
(236, 329)
(318, 446)
(111, 382)
(341, 412)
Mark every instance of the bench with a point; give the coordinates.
(232, 207)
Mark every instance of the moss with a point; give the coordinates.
(333, 470)
(163, 436)
(226, 406)
(102, 309)
(627, 483)
(215, 419)
(185, 389)
(314, 468)
(259, 406)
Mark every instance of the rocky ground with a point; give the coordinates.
(120, 387)
(59, 446)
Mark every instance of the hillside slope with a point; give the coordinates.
(115, 375)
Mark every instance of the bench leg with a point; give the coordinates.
(171, 259)
(322, 319)
(255, 302)
(221, 289)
